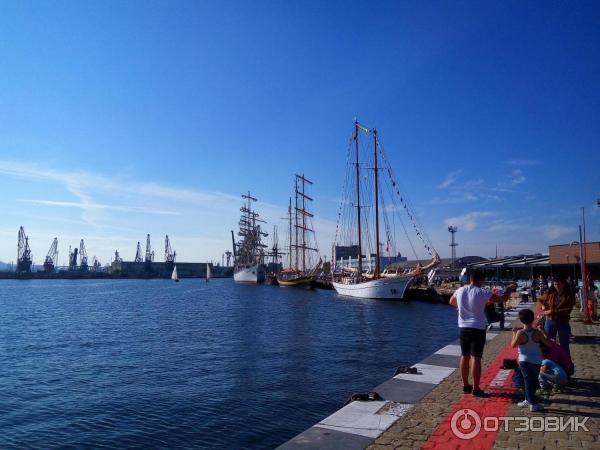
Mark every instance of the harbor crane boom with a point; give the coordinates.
(169, 253)
(83, 261)
(73, 258)
(138, 253)
(149, 253)
(52, 257)
(23, 253)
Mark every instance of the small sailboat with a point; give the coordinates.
(174, 276)
(208, 275)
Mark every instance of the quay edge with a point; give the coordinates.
(359, 423)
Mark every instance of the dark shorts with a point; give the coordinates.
(472, 341)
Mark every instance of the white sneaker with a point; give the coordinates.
(524, 404)
(536, 408)
(490, 326)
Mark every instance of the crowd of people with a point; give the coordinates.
(544, 363)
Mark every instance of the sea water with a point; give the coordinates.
(153, 363)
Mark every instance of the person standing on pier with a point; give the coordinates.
(557, 304)
(533, 289)
(471, 301)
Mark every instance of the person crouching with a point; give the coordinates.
(552, 376)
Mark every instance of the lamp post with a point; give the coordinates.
(574, 262)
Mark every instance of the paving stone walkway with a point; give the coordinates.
(426, 425)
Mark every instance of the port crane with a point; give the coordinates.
(138, 253)
(23, 253)
(149, 253)
(73, 258)
(51, 257)
(169, 253)
(83, 257)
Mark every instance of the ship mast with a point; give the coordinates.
(296, 220)
(377, 264)
(290, 219)
(358, 203)
(250, 250)
(303, 229)
(303, 211)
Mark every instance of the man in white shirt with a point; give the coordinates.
(471, 300)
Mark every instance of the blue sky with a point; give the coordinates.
(119, 119)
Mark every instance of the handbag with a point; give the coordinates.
(509, 364)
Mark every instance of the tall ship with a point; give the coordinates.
(302, 246)
(372, 212)
(249, 252)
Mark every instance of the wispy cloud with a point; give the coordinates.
(503, 227)
(469, 221)
(473, 189)
(450, 179)
(556, 231)
(522, 162)
(510, 183)
(91, 205)
(80, 183)
(550, 232)
(104, 201)
(517, 177)
(455, 197)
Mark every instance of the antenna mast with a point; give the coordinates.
(453, 244)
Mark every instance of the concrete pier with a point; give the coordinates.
(418, 411)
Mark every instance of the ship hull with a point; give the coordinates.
(271, 280)
(299, 282)
(382, 288)
(249, 274)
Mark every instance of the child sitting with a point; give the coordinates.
(528, 340)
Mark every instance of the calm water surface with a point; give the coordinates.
(151, 363)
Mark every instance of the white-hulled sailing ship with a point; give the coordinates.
(302, 267)
(249, 252)
(364, 200)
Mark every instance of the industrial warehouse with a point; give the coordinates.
(80, 266)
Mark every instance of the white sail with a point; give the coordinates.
(208, 275)
(174, 274)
